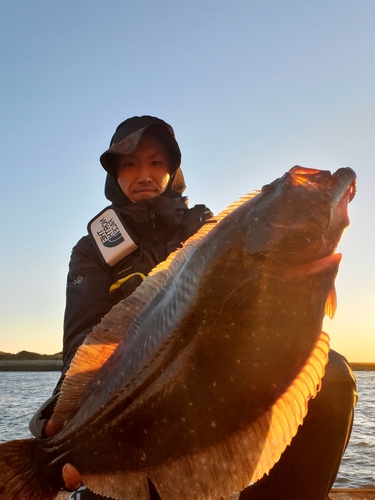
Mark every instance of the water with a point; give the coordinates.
(357, 468)
(21, 393)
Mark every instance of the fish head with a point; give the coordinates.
(300, 217)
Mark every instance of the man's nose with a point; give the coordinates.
(144, 173)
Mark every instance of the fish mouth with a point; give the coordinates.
(313, 240)
(341, 187)
(300, 217)
(342, 182)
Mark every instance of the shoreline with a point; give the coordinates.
(47, 365)
(31, 365)
(361, 367)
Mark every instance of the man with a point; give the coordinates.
(145, 184)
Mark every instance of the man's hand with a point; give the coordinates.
(50, 428)
(71, 476)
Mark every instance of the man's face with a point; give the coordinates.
(145, 173)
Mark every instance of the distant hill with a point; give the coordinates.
(27, 355)
(34, 356)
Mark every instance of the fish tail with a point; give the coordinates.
(25, 472)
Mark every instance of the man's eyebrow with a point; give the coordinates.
(157, 153)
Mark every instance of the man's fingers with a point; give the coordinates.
(72, 478)
(49, 429)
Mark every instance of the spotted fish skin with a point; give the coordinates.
(200, 379)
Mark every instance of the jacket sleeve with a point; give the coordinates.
(87, 300)
(88, 297)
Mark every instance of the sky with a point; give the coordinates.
(250, 87)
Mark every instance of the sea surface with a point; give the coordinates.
(21, 393)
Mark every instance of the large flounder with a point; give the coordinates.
(201, 378)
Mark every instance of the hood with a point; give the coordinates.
(125, 141)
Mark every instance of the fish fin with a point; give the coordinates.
(121, 486)
(90, 356)
(240, 201)
(24, 474)
(331, 303)
(227, 467)
(105, 337)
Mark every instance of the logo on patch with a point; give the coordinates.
(110, 235)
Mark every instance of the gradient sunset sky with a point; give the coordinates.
(251, 89)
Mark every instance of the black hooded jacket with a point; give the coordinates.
(158, 226)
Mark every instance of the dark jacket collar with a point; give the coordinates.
(163, 215)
